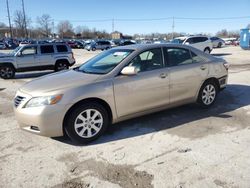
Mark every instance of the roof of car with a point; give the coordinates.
(148, 46)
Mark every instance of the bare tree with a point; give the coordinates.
(21, 22)
(222, 33)
(2, 25)
(45, 24)
(65, 29)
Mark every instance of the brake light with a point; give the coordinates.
(226, 65)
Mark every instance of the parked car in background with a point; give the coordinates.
(126, 42)
(72, 44)
(2, 46)
(23, 43)
(236, 42)
(217, 42)
(79, 44)
(118, 84)
(98, 45)
(36, 57)
(202, 43)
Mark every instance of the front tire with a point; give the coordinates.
(7, 72)
(86, 122)
(207, 94)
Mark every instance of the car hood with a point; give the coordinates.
(58, 81)
(4, 55)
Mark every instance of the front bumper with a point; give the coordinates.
(44, 120)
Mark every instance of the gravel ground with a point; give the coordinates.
(181, 147)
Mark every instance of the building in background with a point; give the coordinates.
(116, 35)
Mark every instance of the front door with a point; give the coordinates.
(148, 89)
(27, 58)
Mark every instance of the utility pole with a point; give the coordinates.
(53, 28)
(24, 19)
(8, 10)
(113, 25)
(173, 25)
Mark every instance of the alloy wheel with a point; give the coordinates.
(208, 94)
(62, 66)
(6, 72)
(88, 123)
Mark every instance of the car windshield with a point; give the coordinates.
(177, 41)
(104, 62)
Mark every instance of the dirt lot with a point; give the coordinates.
(181, 147)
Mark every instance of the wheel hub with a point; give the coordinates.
(88, 123)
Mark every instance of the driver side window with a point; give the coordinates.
(32, 50)
(148, 60)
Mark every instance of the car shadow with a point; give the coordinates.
(221, 54)
(230, 99)
(32, 74)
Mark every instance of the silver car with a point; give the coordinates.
(217, 42)
(98, 45)
(118, 84)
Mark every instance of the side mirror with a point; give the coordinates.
(129, 71)
(187, 43)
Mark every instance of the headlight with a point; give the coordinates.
(42, 101)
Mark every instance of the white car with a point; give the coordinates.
(202, 43)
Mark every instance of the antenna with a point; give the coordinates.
(8, 10)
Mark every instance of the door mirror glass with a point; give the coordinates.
(187, 43)
(129, 71)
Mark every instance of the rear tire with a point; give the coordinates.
(61, 65)
(86, 122)
(207, 94)
(94, 49)
(219, 45)
(7, 72)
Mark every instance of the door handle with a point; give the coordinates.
(163, 75)
(203, 67)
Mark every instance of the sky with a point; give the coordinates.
(131, 16)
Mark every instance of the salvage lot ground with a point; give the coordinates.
(181, 147)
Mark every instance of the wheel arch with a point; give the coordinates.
(88, 100)
(213, 79)
(7, 64)
(64, 60)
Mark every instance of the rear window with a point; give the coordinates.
(196, 58)
(47, 49)
(61, 48)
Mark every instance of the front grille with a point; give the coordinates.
(18, 100)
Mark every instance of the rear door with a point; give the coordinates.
(146, 90)
(187, 73)
(46, 57)
(27, 58)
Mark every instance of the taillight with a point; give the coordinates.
(226, 65)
